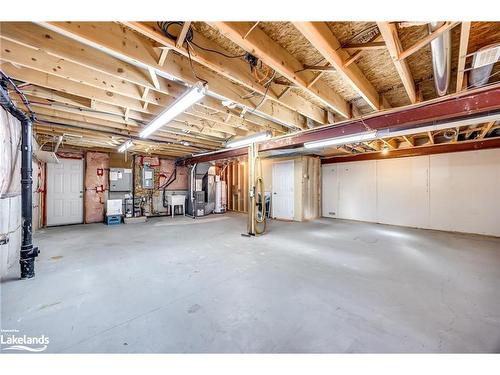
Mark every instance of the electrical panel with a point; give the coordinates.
(120, 179)
(148, 177)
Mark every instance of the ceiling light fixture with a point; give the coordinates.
(190, 97)
(125, 146)
(339, 141)
(258, 137)
(386, 133)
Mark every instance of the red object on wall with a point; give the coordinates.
(100, 171)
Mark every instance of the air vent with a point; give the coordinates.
(487, 56)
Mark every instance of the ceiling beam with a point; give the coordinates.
(390, 34)
(419, 151)
(322, 38)
(426, 40)
(182, 35)
(235, 69)
(368, 46)
(259, 44)
(486, 129)
(462, 53)
(94, 67)
(96, 122)
(478, 103)
(131, 47)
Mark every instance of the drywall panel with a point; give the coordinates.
(464, 192)
(357, 191)
(402, 191)
(454, 192)
(330, 185)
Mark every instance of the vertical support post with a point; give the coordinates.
(252, 154)
(28, 251)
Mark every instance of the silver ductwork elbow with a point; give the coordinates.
(441, 58)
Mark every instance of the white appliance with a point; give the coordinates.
(220, 196)
(114, 207)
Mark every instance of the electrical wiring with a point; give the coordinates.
(192, 67)
(20, 93)
(268, 85)
(164, 26)
(217, 52)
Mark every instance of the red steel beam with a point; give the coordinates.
(418, 151)
(454, 107)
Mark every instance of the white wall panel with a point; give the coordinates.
(454, 192)
(402, 192)
(330, 190)
(357, 184)
(464, 193)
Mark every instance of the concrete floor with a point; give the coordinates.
(178, 285)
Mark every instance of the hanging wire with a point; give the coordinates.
(20, 93)
(268, 85)
(192, 67)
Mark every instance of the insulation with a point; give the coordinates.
(10, 158)
(96, 186)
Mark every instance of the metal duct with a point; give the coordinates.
(441, 58)
(482, 65)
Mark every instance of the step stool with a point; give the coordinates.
(113, 219)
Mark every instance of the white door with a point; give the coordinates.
(329, 190)
(65, 192)
(283, 197)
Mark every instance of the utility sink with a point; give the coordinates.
(176, 200)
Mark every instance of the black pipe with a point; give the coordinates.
(28, 251)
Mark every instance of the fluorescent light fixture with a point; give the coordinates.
(361, 137)
(125, 146)
(190, 97)
(258, 137)
(385, 133)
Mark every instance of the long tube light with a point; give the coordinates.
(258, 137)
(190, 97)
(384, 133)
(125, 146)
(361, 137)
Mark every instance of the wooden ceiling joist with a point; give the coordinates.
(486, 129)
(353, 47)
(272, 54)
(236, 70)
(424, 41)
(35, 59)
(389, 33)
(462, 53)
(322, 38)
(131, 47)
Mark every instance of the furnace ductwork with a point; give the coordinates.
(441, 58)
